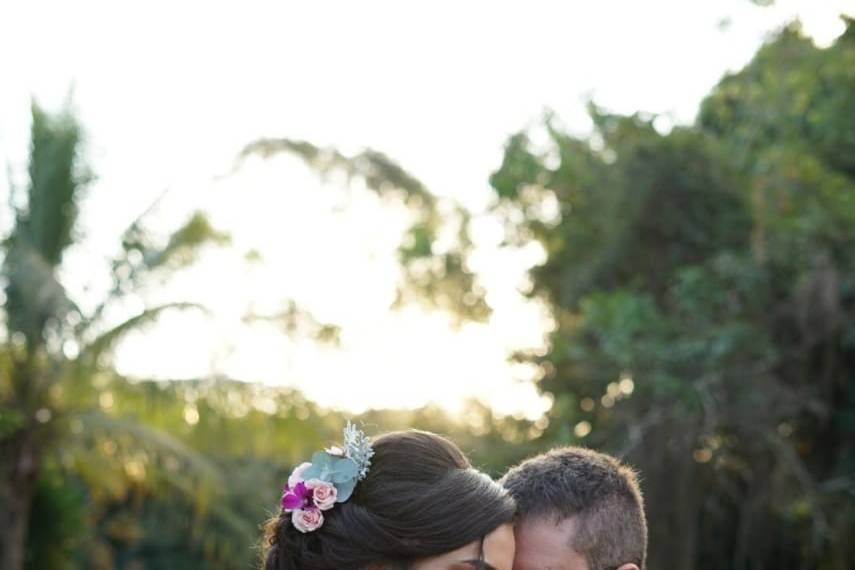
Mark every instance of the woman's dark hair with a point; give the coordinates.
(421, 498)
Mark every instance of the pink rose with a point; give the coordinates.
(323, 494)
(307, 520)
(297, 474)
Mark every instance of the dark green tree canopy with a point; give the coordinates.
(701, 283)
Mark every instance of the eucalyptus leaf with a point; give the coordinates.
(344, 469)
(344, 490)
(322, 467)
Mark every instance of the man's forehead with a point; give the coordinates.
(553, 524)
(544, 543)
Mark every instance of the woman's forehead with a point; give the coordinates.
(453, 560)
(498, 554)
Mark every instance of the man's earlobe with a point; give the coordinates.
(628, 567)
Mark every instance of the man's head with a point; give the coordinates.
(577, 510)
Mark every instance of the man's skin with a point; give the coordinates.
(544, 544)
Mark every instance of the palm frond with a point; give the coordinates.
(183, 245)
(106, 340)
(440, 280)
(56, 178)
(297, 321)
(171, 462)
(380, 173)
(34, 296)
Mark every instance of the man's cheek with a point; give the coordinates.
(533, 562)
(520, 561)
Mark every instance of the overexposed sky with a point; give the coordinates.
(169, 92)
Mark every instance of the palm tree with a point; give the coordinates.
(51, 347)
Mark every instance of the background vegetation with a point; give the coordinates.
(702, 287)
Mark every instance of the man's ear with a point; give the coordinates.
(628, 567)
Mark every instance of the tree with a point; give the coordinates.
(438, 277)
(53, 349)
(701, 287)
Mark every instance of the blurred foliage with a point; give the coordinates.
(702, 284)
(53, 354)
(434, 270)
(297, 321)
(116, 495)
(702, 287)
(100, 472)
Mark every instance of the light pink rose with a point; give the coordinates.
(307, 520)
(324, 494)
(297, 474)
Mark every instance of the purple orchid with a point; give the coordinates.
(300, 497)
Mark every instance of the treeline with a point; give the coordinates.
(181, 474)
(702, 281)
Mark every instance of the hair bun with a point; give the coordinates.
(420, 498)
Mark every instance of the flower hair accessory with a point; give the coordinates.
(329, 479)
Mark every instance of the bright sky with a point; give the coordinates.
(170, 91)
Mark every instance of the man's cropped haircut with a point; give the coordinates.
(598, 490)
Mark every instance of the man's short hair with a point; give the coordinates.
(598, 490)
